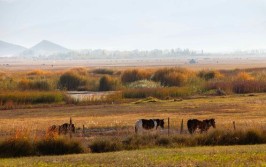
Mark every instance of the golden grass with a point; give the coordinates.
(247, 111)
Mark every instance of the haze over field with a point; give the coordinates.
(212, 26)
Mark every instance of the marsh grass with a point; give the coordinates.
(11, 99)
(214, 138)
(23, 144)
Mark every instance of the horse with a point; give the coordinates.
(204, 125)
(66, 127)
(148, 124)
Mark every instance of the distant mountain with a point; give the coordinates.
(44, 49)
(9, 49)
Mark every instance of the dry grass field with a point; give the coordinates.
(117, 119)
(248, 111)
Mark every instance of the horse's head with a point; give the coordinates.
(212, 122)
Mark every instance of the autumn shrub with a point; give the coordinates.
(209, 74)
(172, 76)
(57, 146)
(135, 75)
(107, 83)
(71, 81)
(42, 85)
(105, 145)
(16, 147)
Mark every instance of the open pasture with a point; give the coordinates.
(248, 111)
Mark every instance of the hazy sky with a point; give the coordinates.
(211, 25)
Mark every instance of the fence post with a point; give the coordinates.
(181, 127)
(70, 128)
(168, 126)
(83, 131)
(234, 125)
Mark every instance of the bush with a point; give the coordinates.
(172, 76)
(16, 148)
(58, 147)
(71, 81)
(33, 85)
(163, 141)
(209, 74)
(103, 145)
(135, 75)
(107, 83)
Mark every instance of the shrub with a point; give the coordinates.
(209, 74)
(163, 141)
(25, 84)
(104, 145)
(16, 148)
(58, 146)
(172, 76)
(243, 76)
(71, 81)
(135, 75)
(107, 83)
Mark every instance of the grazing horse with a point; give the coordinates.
(65, 128)
(204, 125)
(148, 124)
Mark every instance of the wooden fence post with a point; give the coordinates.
(234, 125)
(70, 128)
(83, 130)
(168, 126)
(181, 127)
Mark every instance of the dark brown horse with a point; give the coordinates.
(204, 125)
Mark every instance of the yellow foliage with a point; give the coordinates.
(244, 76)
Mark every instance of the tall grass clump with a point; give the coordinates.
(23, 144)
(31, 97)
(71, 81)
(108, 83)
(172, 76)
(41, 85)
(16, 148)
(58, 146)
(105, 145)
(135, 75)
(209, 74)
(160, 93)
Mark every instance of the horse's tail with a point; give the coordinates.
(136, 129)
